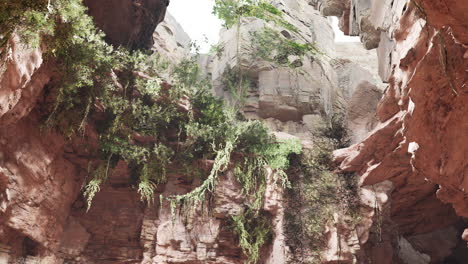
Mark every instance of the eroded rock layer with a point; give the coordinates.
(410, 151)
(420, 142)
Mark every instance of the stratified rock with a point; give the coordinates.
(74, 238)
(418, 143)
(410, 152)
(362, 88)
(200, 234)
(282, 95)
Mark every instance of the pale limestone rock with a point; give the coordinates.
(337, 250)
(330, 7)
(361, 87)
(385, 55)
(359, 10)
(171, 41)
(282, 94)
(376, 196)
(361, 110)
(385, 14)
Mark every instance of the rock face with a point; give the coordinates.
(42, 214)
(170, 40)
(128, 23)
(21, 82)
(410, 149)
(356, 17)
(293, 101)
(418, 143)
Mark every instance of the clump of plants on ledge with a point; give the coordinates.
(238, 84)
(268, 44)
(317, 193)
(272, 46)
(231, 11)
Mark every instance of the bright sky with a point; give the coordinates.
(203, 27)
(196, 19)
(339, 35)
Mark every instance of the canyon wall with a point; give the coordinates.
(410, 149)
(419, 143)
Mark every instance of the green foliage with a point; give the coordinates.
(230, 11)
(277, 154)
(238, 84)
(217, 50)
(316, 194)
(29, 17)
(135, 106)
(99, 176)
(83, 60)
(149, 124)
(227, 10)
(154, 171)
(271, 46)
(253, 231)
(188, 74)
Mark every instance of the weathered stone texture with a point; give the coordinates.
(410, 150)
(417, 143)
(171, 41)
(128, 23)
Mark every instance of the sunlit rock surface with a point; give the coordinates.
(410, 149)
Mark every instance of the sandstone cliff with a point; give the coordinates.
(409, 152)
(419, 143)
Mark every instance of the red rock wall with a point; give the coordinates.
(128, 23)
(42, 214)
(421, 143)
(413, 170)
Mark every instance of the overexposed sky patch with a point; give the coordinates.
(196, 18)
(339, 35)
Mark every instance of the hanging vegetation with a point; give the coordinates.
(317, 194)
(270, 45)
(121, 95)
(230, 11)
(156, 127)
